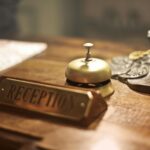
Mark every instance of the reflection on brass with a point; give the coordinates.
(136, 55)
(105, 90)
(58, 101)
(139, 54)
(93, 71)
(89, 71)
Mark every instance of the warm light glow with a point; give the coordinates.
(107, 143)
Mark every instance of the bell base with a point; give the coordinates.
(105, 88)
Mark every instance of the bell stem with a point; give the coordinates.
(88, 47)
(88, 55)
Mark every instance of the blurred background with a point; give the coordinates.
(112, 19)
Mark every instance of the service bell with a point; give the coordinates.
(90, 72)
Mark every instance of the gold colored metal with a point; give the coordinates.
(58, 101)
(136, 55)
(147, 52)
(89, 71)
(93, 71)
(106, 90)
(88, 47)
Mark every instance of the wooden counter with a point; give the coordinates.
(124, 126)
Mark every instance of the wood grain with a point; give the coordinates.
(124, 126)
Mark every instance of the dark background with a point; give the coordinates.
(112, 19)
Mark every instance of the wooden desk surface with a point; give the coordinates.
(124, 126)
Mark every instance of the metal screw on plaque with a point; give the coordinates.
(2, 89)
(88, 46)
(82, 104)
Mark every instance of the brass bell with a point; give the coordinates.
(90, 72)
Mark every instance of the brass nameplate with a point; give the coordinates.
(58, 101)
